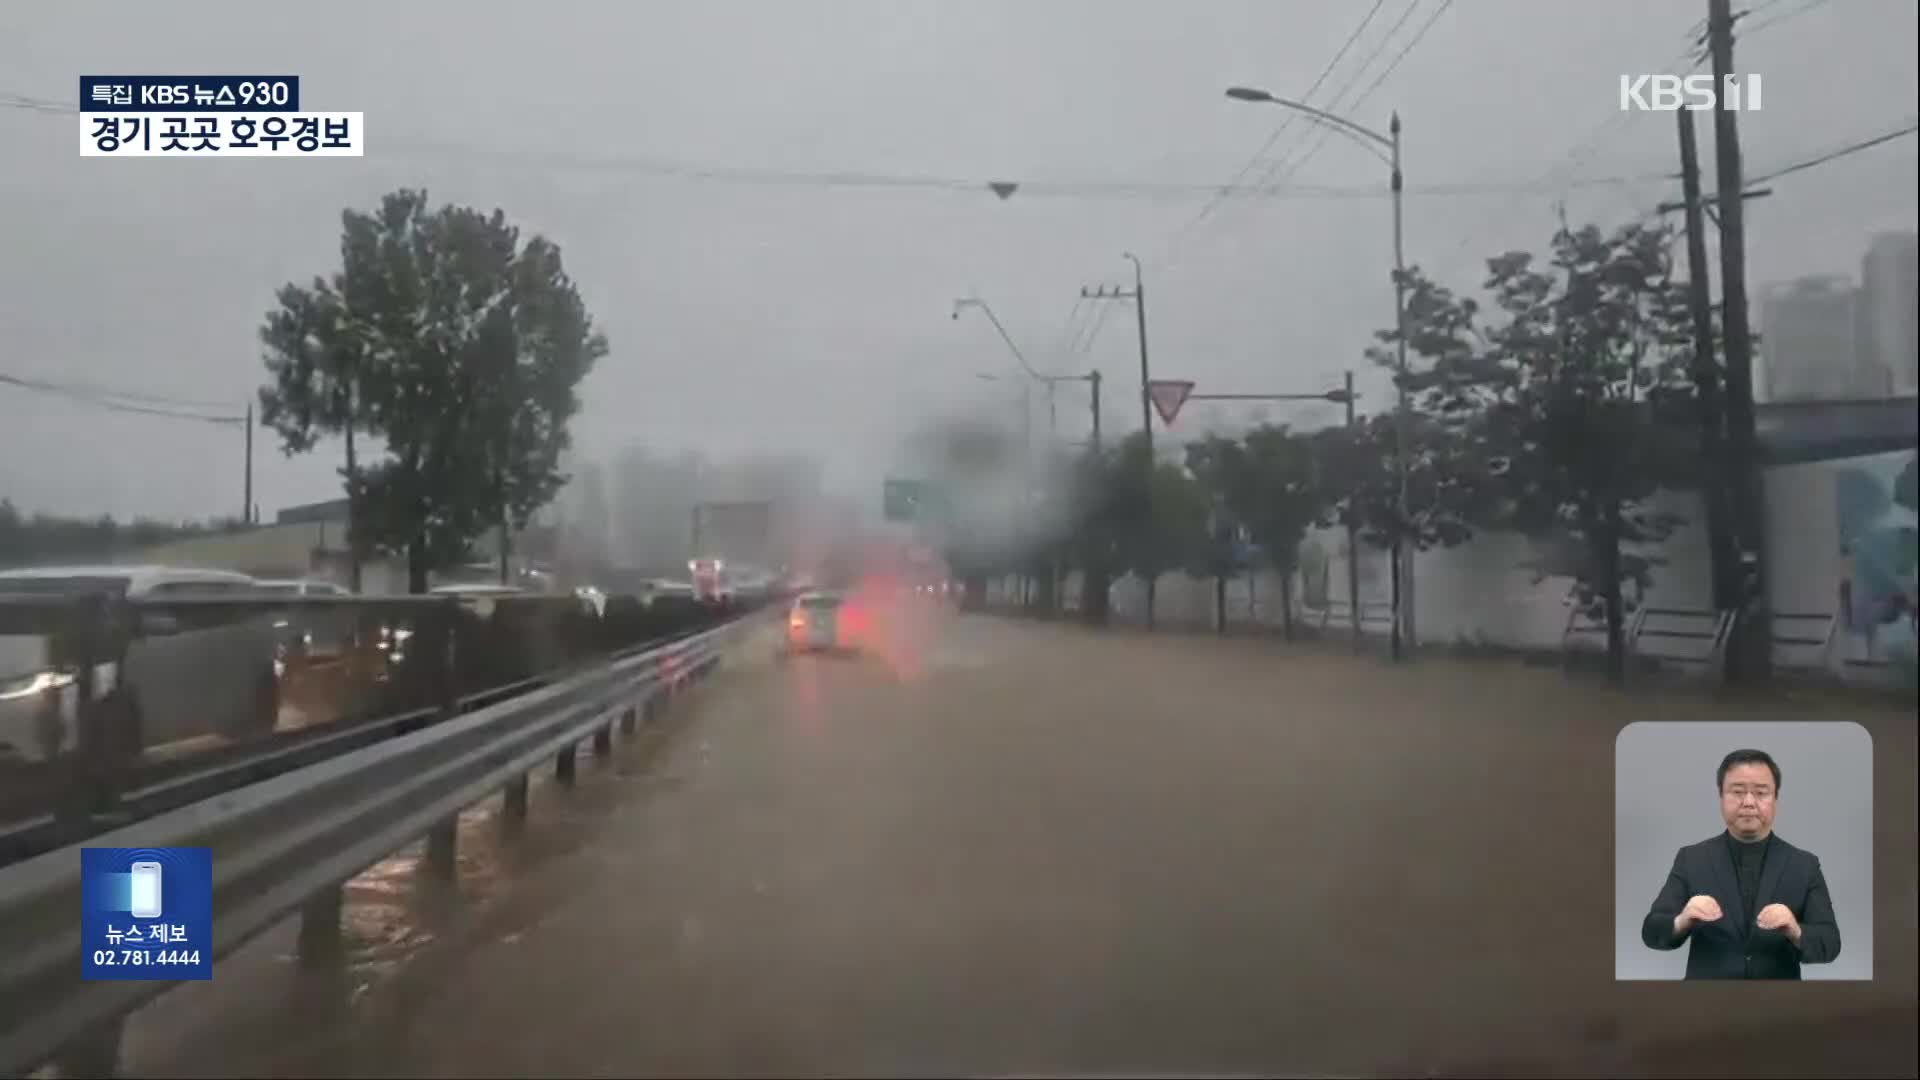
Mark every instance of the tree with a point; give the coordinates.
(1580, 402)
(1269, 482)
(456, 344)
(44, 538)
(1220, 467)
(1159, 516)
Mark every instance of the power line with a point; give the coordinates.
(1327, 132)
(1560, 173)
(1070, 330)
(115, 402)
(1085, 345)
(1287, 168)
(73, 386)
(1835, 155)
(1785, 16)
(1278, 131)
(1084, 188)
(1418, 36)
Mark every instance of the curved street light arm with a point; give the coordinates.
(1380, 146)
(1004, 336)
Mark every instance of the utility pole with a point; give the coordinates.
(1706, 377)
(1353, 529)
(246, 504)
(1093, 380)
(1403, 630)
(1137, 294)
(1754, 643)
(353, 498)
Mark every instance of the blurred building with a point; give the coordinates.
(1808, 334)
(1889, 299)
(653, 497)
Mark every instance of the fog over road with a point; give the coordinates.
(1001, 847)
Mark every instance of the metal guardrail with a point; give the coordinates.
(75, 758)
(290, 842)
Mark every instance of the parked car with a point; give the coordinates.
(185, 673)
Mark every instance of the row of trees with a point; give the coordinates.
(1558, 410)
(458, 348)
(30, 539)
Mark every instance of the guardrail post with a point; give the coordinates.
(443, 848)
(320, 944)
(628, 718)
(94, 1054)
(516, 801)
(563, 766)
(93, 789)
(449, 666)
(603, 740)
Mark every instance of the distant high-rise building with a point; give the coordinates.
(1889, 295)
(1808, 331)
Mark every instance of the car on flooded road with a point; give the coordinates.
(820, 622)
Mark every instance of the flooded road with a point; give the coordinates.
(994, 848)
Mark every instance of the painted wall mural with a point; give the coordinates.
(1879, 548)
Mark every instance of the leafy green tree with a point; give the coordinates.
(1158, 514)
(456, 344)
(1579, 402)
(1271, 482)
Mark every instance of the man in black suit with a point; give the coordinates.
(1753, 905)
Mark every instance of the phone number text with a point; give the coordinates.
(145, 957)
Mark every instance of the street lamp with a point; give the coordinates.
(1387, 149)
(987, 310)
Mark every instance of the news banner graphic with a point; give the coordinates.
(146, 913)
(210, 116)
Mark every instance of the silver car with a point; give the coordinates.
(183, 676)
(818, 621)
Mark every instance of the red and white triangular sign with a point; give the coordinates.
(1168, 395)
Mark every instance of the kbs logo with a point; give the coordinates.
(166, 94)
(1670, 93)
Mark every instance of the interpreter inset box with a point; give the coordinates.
(1743, 851)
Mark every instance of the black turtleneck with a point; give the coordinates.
(1749, 859)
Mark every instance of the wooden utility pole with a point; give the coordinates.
(246, 500)
(1723, 553)
(1753, 659)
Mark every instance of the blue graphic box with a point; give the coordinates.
(146, 913)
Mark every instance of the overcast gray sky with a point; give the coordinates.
(789, 313)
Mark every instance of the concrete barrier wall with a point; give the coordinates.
(1487, 592)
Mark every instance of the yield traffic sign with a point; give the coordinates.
(1168, 395)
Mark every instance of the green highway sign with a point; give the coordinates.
(909, 500)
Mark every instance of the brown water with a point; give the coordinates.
(997, 848)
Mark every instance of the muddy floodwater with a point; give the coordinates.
(990, 847)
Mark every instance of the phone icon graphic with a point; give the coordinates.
(146, 890)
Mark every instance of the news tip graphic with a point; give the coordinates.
(146, 913)
(210, 116)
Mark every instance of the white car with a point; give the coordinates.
(819, 621)
(186, 673)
